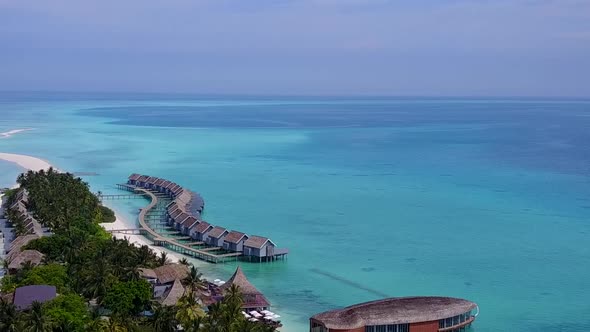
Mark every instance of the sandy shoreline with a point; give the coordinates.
(37, 164)
(26, 162)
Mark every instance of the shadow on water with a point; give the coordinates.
(349, 282)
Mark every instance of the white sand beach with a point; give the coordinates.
(26, 162)
(9, 133)
(138, 240)
(37, 164)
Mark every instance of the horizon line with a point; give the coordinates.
(277, 95)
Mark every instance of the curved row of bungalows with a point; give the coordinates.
(186, 200)
(184, 213)
(19, 207)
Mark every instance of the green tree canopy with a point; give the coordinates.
(68, 311)
(128, 298)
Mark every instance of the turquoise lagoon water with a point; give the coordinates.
(483, 199)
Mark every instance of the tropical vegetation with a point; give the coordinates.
(97, 276)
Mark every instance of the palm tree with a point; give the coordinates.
(9, 317)
(163, 259)
(36, 320)
(193, 280)
(184, 261)
(164, 318)
(97, 279)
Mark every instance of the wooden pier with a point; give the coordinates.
(172, 243)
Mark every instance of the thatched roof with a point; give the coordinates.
(171, 272)
(402, 310)
(142, 178)
(24, 256)
(253, 298)
(172, 296)
(217, 232)
(159, 182)
(18, 243)
(147, 273)
(181, 217)
(235, 237)
(256, 241)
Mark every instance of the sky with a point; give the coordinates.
(305, 47)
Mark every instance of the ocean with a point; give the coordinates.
(483, 199)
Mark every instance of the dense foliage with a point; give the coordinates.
(98, 275)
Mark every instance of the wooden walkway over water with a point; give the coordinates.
(173, 243)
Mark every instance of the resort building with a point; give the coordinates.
(188, 224)
(216, 236)
(200, 232)
(234, 241)
(26, 295)
(16, 257)
(183, 213)
(262, 248)
(405, 314)
(253, 299)
(166, 282)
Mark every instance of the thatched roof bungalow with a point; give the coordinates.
(172, 294)
(18, 243)
(31, 256)
(253, 298)
(424, 314)
(170, 272)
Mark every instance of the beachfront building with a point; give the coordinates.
(405, 314)
(16, 256)
(216, 236)
(166, 282)
(234, 241)
(183, 213)
(253, 299)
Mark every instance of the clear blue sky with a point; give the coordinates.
(331, 47)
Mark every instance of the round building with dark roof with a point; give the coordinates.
(404, 314)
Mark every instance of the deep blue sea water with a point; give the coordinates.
(483, 199)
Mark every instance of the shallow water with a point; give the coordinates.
(483, 199)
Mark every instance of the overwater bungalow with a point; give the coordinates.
(253, 299)
(133, 179)
(201, 231)
(402, 314)
(141, 181)
(216, 236)
(188, 224)
(180, 219)
(234, 241)
(259, 246)
(174, 217)
(158, 184)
